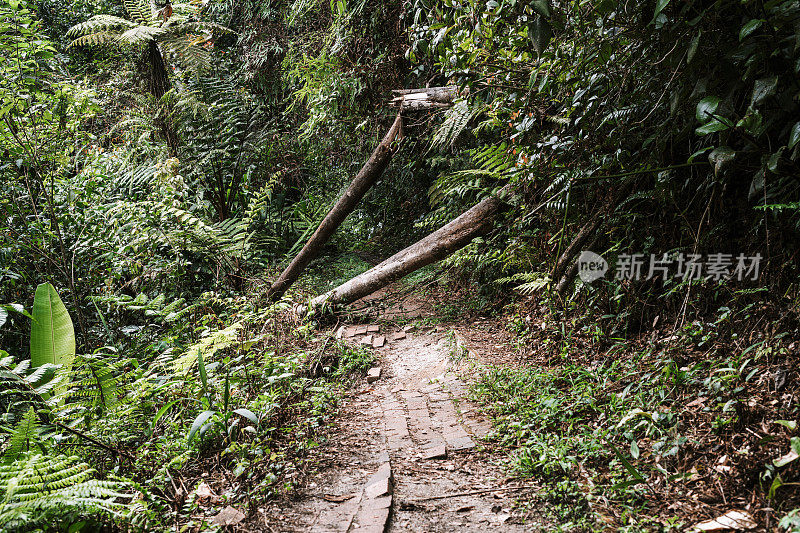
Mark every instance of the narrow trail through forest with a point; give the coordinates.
(406, 452)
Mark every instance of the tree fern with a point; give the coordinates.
(140, 11)
(108, 25)
(183, 38)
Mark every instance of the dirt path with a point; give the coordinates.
(407, 448)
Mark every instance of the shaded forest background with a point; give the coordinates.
(159, 171)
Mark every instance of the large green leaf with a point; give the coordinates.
(52, 334)
(540, 33)
(749, 28)
(794, 136)
(707, 107)
(660, 5)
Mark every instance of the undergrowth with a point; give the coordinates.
(649, 433)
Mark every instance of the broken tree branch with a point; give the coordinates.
(472, 492)
(424, 99)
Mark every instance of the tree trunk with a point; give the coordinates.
(575, 245)
(436, 246)
(365, 178)
(159, 85)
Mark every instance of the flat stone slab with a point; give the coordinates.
(367, 341)
(379, 341)
(373, 374)
(360, 330)
(373, 328)
(408, 328)
(434, 452)
(337, 519)
(399, 336)
(373, 514)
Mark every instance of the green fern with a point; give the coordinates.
(22, 435)
(152, 308)
(451, 193)
(22, 388)
(210, 345)
(49, 492)
(97, 382)
(533, 282)
(456, 120)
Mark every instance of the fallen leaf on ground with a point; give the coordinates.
(698, 402)
(229, 516)
(737, 520)
(204, 492)
(786, 459)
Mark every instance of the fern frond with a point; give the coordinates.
(450, 192)
(456, 119)
(38, 490)
(137, 177)
(155, 308)
(97, 38)
(21, 388)
(140, 35)
(140, 11)
(188, 50)
(534, 281)
(213, 343)
(23, 433)
(99, 23)
(96, 382)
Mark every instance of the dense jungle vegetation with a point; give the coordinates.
(160, 164)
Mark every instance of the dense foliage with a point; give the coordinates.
(159, 163)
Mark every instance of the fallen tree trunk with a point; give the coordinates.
(366, 177)
(436, 246)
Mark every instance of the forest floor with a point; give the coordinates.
(406, 451)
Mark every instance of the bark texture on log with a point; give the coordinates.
(422, 99)
(366, 177)
(436, 246)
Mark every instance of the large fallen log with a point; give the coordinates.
(436, 246)
(366, 177)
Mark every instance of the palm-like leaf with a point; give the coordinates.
(99, 29)
(141, 35)
(52, 333)
(99, 23)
